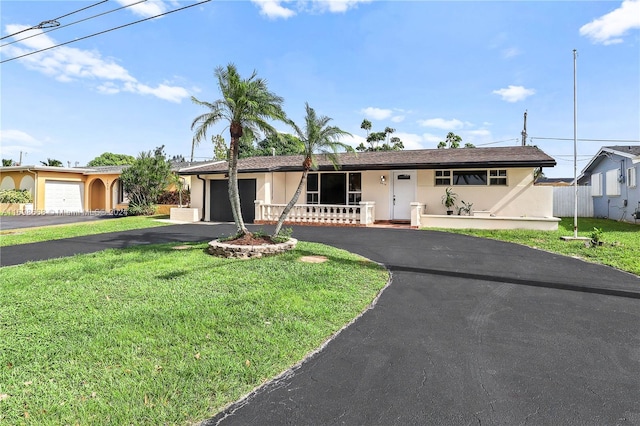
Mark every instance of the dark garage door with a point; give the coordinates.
(221, 207)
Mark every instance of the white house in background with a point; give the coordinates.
(388, 186)
(613, 176)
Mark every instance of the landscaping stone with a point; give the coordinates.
(222, 249)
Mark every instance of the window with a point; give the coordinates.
(334, 188)
(469, 177)
(596, 185)
(355, 189)
(122, 195)
(312, 188)
(613, 182)
(631, 177)
(498, 177)
(443, 178)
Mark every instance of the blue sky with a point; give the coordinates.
(424, 68)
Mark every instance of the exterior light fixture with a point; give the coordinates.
(383, 180)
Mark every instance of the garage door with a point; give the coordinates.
(61, 196)
(221, 207)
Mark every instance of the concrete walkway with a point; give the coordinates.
(470, 331)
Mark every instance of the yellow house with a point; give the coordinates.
(64, 189)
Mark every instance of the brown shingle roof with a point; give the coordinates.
(516, 156)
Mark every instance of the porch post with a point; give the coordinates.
(258, 207)
(367, 216)
(416, 211)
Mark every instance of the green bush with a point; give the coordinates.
(20, 196)
(141, 210)
(173, 197)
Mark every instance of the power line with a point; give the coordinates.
(53, 22)
(73, 23)
(591, 140)
(496, 142)
(105, 31)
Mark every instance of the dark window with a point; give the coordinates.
(333, 188)
(469, 177)
(355, 182)
(497, 177)
(443, 177)
(312, 182)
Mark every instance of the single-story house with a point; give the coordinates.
(71, 189)
(613, 176)
(379, 186)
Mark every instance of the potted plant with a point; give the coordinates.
(449, 200)
(466, 208)
(596, 236)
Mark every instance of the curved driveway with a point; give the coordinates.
(470, 331)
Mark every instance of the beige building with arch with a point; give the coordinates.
(67, 190)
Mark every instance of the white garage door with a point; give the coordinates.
(60, 196)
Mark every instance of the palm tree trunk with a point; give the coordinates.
(234, 193)
(292, 202)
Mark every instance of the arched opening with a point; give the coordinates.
(7, 183)
(97, 195)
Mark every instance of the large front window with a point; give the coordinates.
(471, 177)
(334, 188)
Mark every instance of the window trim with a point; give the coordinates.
(348, 193)
(445, 177)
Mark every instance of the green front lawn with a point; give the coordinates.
(154, 335)
(12, 237)
(620, 249)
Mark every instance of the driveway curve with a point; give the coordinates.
(470, 331)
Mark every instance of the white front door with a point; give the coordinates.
(404, 191)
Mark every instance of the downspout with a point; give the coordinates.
(35, 187)
(204, 196)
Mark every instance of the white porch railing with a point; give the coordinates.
(331, 214)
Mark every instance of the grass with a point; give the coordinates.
(620, 249)
(153, 335)
(46, 233)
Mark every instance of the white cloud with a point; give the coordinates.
(67, 64)
(514, 93)
(398, 118)
(146, 9)
(441, 123)
(609, 28)
(411, 140)
(511, 52)
(275, 9)
(431, 138)
(13, 142)
(376, 113)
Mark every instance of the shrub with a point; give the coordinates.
(141, 210)
(21, 196)
(173, 197)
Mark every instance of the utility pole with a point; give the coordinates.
(524, 131)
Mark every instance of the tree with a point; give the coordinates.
(220, 150)
(145, 180)
(7, 162)
(379, 141)
(178, 159)
(316, 137)
(111, 159)
(52, 162)
(453, 141)
(281, 144)
(246, 104)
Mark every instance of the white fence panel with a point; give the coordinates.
(563, 201)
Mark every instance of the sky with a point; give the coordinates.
(424, 68)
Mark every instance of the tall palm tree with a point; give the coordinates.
(52, 162)
(316, 138)
(246, 104)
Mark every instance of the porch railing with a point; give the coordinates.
(362, 214)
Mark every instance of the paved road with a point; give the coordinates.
(35, 220)
(470, 331)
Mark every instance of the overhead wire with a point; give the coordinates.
(105, 31)
(54, 19)
(73, 23)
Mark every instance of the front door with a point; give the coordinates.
(404, 190)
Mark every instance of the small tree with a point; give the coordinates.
(145, 180)
(7, 162)
(52, 162)
(111, 159)
(316, 137)
(453, 141)
(379, 141)
(220, 149)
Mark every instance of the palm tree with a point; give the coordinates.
(52, 162)
(246, 104)
(316, 138)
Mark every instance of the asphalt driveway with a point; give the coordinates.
(36, 220)
(470, 331)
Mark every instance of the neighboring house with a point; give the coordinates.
(612, 175)
(498, 181)
(71, 189)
